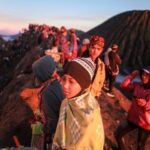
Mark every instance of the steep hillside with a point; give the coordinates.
(131, 31)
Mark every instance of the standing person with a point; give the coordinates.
(139, 112)
(95, 49)
(112, 62)
(63, 43)
(84, 48)
(50, 96)
(80, 124)
(73, 48)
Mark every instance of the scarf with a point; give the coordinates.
(80, 125)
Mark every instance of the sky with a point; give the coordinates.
(80, 14)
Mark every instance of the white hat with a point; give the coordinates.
(85, 41)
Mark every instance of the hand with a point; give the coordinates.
(141, 102)
(134, 73)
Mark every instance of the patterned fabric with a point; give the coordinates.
(80, 125)
(97, 40)
(75, 131)
(87, 64)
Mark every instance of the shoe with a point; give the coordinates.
(106, 88)
(110, 94)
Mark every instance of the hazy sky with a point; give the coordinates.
(80, 14)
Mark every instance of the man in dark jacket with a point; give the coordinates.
(50, 96)
(112, 62)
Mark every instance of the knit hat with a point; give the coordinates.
(43, 68)
(97, 40)
(82, 70)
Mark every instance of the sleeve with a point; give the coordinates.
(147, 106)
(147, 111)
(127, 83)
(51, 110)
(51, 104)
(118, 59)
(106, 59)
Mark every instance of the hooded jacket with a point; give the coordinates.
(50, 95)
(139, 115)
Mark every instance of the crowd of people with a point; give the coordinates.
(70, 76)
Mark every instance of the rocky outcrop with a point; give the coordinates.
(131, 31)
(114, 111)
(15, 113)
(14, 110)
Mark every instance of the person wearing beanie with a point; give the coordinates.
(139, 111)
(80, 123)
(82, 70)
(44, 68)
(50, 96)
(95, 50)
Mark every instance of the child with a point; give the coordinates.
(80, 124)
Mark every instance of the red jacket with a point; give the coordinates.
(139, 115)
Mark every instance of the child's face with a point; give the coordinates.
(70, 86)
(145, 78)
